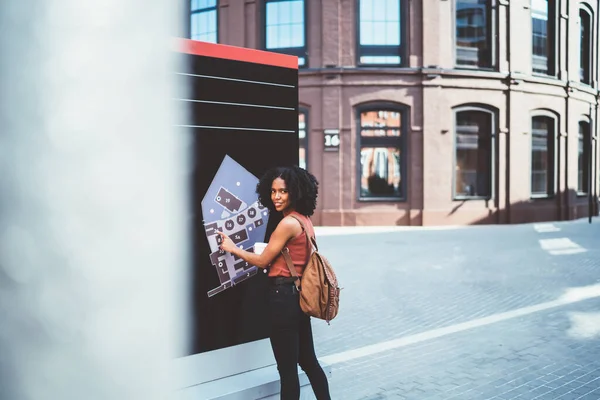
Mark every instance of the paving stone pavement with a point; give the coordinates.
(533, 357)
(408, 283)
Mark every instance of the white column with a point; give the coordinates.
(92, 200)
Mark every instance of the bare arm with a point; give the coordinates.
(286, 229)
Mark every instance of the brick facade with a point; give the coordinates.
(430, 89)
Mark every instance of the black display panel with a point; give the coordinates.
(249, 112)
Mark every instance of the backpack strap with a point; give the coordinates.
(286, 253)
(288, 260)
(310, 239)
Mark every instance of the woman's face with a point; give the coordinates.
(280, 195)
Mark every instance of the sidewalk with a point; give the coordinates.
(361, 230)
(464, 314)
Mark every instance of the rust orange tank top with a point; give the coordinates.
(299, 251)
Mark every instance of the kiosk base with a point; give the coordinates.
(259, 384)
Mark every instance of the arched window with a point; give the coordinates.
(585, 45)
(474, 32)
(303, 138)
(543, 36)
(285, 28)
(381, 32)
(474, 152)
(204, 23)
(543, 155)
(583, 157)
(381, 149)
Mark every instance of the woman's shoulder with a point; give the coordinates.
(295, 219)
(301, 220)
(295, 216)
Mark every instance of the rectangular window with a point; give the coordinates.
(474, 33)
(285, 28)
(380, 150)
(302, 139)
(583, 159)
(380, 32)
(474, 154)
(542, 156)
(585, 47)
(203, 21)
(543, 21)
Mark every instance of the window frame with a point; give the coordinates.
(587, 153)
(198, 11)
(553, 23)
(583, 8)
(493, 157)
(305, 111)
(553, 140)
(293, 51)
(492, 17)
(379, 50)
(402, 143)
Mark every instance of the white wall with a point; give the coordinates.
(93, 208)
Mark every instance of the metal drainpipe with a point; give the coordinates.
(508, 116)
(92, 197)
(565, 197)
(596, 160)
(590, 162)
(589, 166)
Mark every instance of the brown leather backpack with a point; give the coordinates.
(318, 287)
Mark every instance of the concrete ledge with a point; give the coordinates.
(361, 230)
(259, 384)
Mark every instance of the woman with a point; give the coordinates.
(293, 192)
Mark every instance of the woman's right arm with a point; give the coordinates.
(286, 229)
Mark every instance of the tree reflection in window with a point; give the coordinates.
(380, 144)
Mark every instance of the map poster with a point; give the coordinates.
(231, 206)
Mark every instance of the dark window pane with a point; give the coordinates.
(541, 39)
(585, 52)
(203, 20)
(542, 156)
(583, 157)
(473, 153)
(380, 31)
(473, 44)
(380, 172)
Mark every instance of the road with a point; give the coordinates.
(480, 312)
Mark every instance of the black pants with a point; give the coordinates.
(292, 343)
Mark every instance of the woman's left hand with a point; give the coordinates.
(226, 244)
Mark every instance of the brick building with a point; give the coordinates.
(436, 111)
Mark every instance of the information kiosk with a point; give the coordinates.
(241, 117)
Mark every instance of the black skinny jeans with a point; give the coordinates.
(292, 343)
